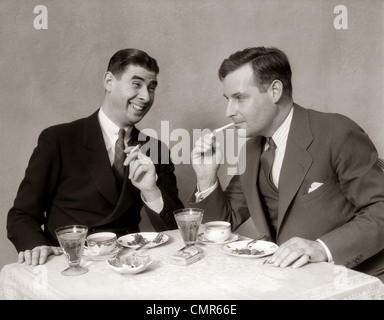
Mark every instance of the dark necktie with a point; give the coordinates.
(118, 163)
(267, 160)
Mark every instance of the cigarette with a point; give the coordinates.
(222, 128)
(137, 147)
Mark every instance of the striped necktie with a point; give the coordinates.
(267, 158)
(118, 163)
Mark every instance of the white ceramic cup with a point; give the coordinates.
(101, 242)
(217, 231)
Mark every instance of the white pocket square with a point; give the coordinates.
(314, 186)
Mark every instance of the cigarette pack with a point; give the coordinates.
(187, 256)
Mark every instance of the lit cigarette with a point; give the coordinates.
(222, 128)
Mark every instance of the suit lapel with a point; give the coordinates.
(93, 153)
(124, 202)
(128, 192)
(297, 160)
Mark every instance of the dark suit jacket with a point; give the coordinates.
(346, 212)
(69, 180)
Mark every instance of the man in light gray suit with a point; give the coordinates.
(312, 183)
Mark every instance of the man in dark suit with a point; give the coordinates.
(311, 183)
(74, 176)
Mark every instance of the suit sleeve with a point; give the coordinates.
(26, 217)
(229, 205)
(354, 159)
(167, 184)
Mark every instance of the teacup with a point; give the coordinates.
(217, 231)
(101, 242)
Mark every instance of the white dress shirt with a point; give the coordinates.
(110, 134)
(280, 137)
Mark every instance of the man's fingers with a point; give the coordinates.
(288, 255)
(132, 149)
(20, 258)
(38, 255)
(138, 172)
(35, 257)
(143, 169)
(43, 255)
(28, 257)
(295, 259)
(131, 157)
(57, 251)
(281, 253)
(204, 143)
(133, 166)
(304, 259)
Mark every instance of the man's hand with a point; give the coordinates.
(298, 252)
(142, 173)
(206, 157)
(38, 255)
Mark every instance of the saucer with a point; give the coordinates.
(134, 240)
(258, 249)
(131, 264)
(203, 240)
(97, 256)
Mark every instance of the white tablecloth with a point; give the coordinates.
(217, 276)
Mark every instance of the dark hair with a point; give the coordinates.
(268, 64)
(125, 57)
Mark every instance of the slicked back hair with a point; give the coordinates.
(125, 57)
(268, 64)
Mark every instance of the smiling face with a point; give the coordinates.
(130, 95)
(249, 108)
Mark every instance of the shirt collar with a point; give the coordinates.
(111, 130)
(280, 136)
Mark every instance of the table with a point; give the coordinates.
(218, 276)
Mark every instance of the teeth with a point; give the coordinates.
(136, 107)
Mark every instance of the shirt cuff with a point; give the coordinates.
(200, 195)
(155, 205)
(329, 255)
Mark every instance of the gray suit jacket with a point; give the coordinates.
(346, 212)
